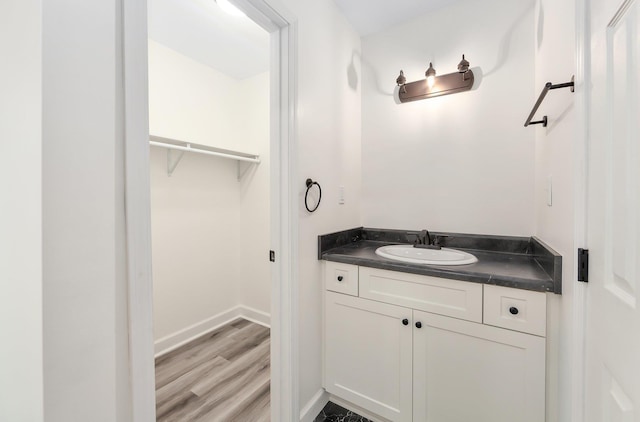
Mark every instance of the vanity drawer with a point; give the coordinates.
(341, 278)
(515, 309)
(458, 299)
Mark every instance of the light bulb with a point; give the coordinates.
(431, 76)
(229, 8)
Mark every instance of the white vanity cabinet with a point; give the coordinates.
(416, 348)
(465, 371)
(368, 353)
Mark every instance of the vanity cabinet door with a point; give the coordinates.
(368, 348)
(464, 371)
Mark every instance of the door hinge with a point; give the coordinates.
(583, 265)
(272, 256)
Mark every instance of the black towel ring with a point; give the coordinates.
(310, 184)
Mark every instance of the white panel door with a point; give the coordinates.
(612, 358)
(470, 372)
(368, 354)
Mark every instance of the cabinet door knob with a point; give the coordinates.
(513, 310)
(418, 324)
(405, 322)
(340, 278)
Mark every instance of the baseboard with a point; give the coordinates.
(255, 315)
(310, 410)
(173, 341)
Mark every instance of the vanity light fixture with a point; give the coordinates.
(435, 86)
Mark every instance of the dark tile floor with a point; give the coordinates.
(334, 413)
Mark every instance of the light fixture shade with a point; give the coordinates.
(463, 66)
(401, 80)
(431, 72)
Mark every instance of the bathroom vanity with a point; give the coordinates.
(414, 342)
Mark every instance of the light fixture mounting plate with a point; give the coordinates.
(450, 83)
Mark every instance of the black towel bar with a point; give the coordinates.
(547, 87)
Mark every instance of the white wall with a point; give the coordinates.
(255, 196)
(462, 162)
(210, 232)
(85, 296)
(555, 156)
(328, 136)
(194, 227)
(190, 101)
(21, 377)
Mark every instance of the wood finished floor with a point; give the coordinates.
(220, 377)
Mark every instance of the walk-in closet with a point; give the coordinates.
(210, 201)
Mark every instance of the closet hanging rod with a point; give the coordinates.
(547, 87)
(239, 156)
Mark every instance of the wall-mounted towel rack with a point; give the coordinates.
(547, 87)
(181, 146)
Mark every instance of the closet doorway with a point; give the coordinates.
(210, 112)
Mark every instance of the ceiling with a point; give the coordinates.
(238, 47)
(199, 29)
(370, 16)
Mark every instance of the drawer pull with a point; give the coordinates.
(340, 278)
(513, 310)
(405, 322)
(418, 324)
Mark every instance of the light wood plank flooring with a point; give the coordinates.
(222, 376)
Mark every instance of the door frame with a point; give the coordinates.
(580, 185)
(282, 26)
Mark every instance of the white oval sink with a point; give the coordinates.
(444, 256)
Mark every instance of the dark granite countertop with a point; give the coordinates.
(519, 262)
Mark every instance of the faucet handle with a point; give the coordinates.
(438, 239)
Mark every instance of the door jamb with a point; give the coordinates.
(581, 164)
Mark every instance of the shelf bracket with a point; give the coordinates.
(173, 158)
(243, 168)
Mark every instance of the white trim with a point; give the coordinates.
(254, 315)
(285, 275)
(172, 341)
(284, 211)
(138, 210)
(580, 145)
(314, 406)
